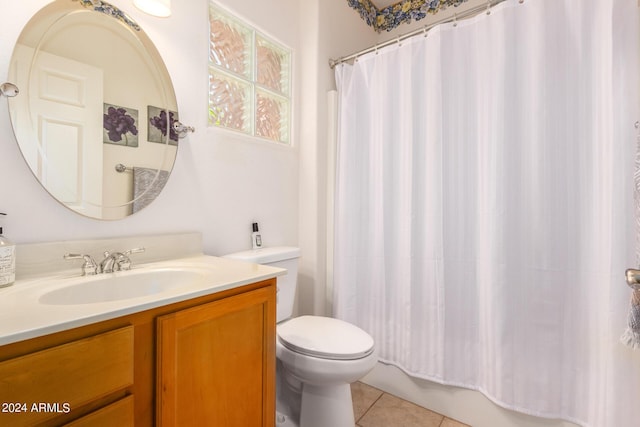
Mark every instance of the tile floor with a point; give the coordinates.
(375, 408)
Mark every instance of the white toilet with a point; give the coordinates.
(320, 356)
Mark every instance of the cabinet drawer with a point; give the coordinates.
(57, 380)
(118, 414)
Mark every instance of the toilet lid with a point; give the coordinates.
(325, 337)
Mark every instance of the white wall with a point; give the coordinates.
(221, 181)
(331, 28)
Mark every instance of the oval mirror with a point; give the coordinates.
(91, 113)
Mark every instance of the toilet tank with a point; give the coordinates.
(281, 257)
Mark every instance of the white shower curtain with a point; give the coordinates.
(484, 205)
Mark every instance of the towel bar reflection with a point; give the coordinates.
(633, 278)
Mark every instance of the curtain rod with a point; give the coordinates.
(465, 14)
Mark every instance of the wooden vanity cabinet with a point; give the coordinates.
(206, 361)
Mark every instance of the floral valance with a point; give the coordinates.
(404, 11)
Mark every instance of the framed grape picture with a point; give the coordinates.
(120, 125)
(157, 129)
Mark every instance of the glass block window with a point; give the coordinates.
(249, 79)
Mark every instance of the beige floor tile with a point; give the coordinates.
(392, 411)
(363, 397)
(448, 422)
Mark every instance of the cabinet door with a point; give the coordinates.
(216, 363)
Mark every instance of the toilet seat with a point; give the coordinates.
(325, 337)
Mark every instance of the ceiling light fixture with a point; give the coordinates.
(160, 8)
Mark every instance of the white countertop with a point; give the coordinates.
(24, 316)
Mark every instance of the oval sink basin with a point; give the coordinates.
(121, 285)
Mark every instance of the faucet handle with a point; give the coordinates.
(123, 262)
(89, 268)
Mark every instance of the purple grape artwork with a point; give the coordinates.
(160, 123)
(118, 123)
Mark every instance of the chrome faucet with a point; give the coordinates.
(115, 261)
(109, 264)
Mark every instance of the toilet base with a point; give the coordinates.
(324, 406)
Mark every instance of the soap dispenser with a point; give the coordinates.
(7, 260)
(256, 239)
